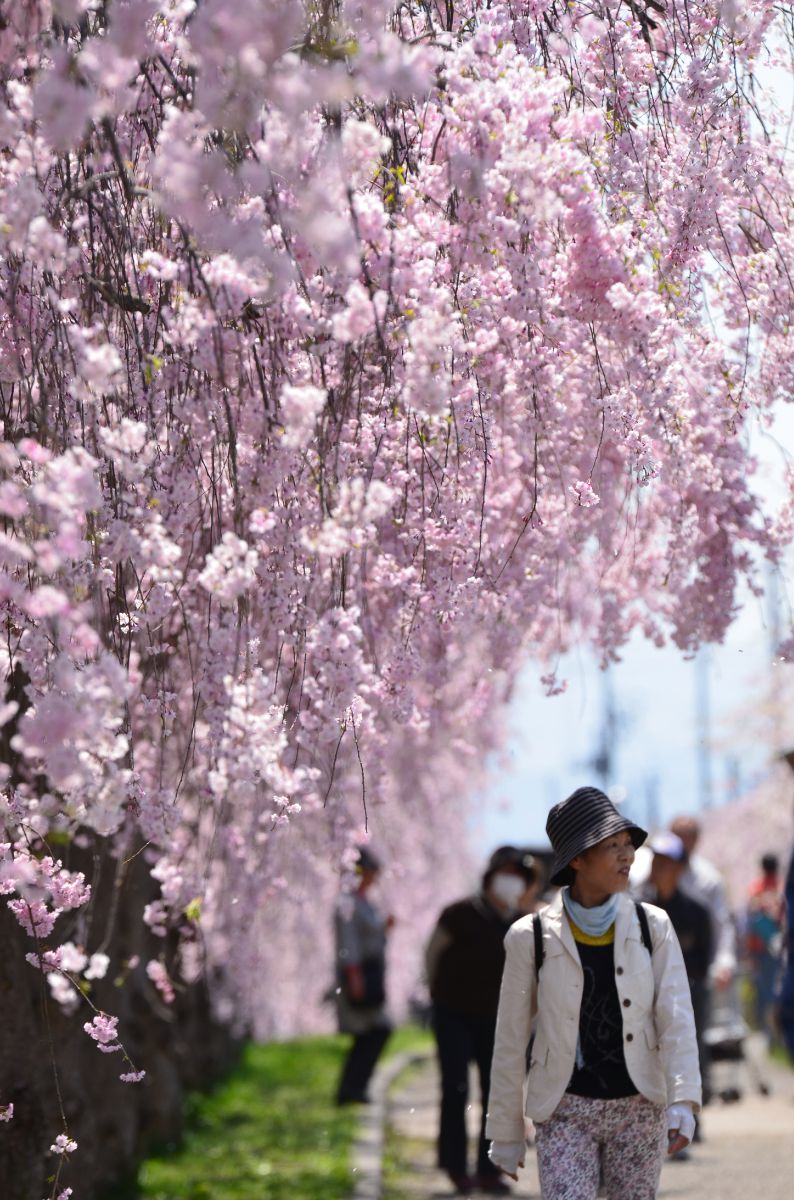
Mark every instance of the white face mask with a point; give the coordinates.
(508, 888)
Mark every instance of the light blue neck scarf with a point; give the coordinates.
(592, 921)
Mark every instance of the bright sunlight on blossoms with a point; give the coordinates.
(347, 352)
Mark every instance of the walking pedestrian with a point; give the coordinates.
(464, 961)
(702, 881)
(613, 1074)
(361, 931)
(763, 931)
(691, 922)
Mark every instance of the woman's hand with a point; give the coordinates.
(508, 1156)
(680, 1127)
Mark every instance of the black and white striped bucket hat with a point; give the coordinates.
(583, 820)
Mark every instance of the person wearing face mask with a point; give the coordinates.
(464, 960)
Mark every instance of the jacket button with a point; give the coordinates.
(629, 1037)
(618, 970)
(626, 1003)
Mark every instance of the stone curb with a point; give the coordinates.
(367, 1151)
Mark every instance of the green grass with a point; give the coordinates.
(779, 1054)
(409, 1037)
(400, 1155)
(777, 1051)
(268, 1131)
(399, 1151)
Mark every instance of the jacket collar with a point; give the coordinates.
(555, 920)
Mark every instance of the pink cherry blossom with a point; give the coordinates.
(583, 493)
(97, 967)
(67, 888)
(104, 1031)
(159, 976)
(230, 570)
(34, 916)
(314, 347)
(300, 407)
(63, 1144)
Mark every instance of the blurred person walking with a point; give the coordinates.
(613, 1076)
(361, 931)
(763, 938)
(703, 881)
(464, 960)
(691, 922)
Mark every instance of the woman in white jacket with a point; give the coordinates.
(613, 1078)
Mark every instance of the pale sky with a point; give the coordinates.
(552, 741)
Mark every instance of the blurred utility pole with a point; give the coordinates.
(703, 727)
(775, 638)
(652, 803)
(603, 761)
(733, 778)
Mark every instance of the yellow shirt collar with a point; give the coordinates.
(587, 939)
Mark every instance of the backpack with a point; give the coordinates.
(537, 933)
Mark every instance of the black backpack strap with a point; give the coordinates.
(537, 933)
(642, 917)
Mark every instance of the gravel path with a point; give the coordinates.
(747, 1151)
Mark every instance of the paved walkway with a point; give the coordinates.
(747, 1151)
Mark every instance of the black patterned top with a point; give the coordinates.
(604, 1075)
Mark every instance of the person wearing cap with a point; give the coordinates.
(464, 960)
(361, 931)
(613, 1076)
(691, 921)
(702, 880)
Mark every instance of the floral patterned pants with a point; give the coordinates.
(622, 1140)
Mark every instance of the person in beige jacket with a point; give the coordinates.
(613, 1074)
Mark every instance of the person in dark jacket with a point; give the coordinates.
(786, 1000)
(691, 921)
(464, 961)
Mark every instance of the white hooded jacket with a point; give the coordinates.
(658, 1025)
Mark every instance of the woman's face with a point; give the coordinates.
(605, 866)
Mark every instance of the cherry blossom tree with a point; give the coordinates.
(350, 352)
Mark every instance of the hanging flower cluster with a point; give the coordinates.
(348, 352)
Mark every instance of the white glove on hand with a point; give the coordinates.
(508, 1156)
(680, 1118)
